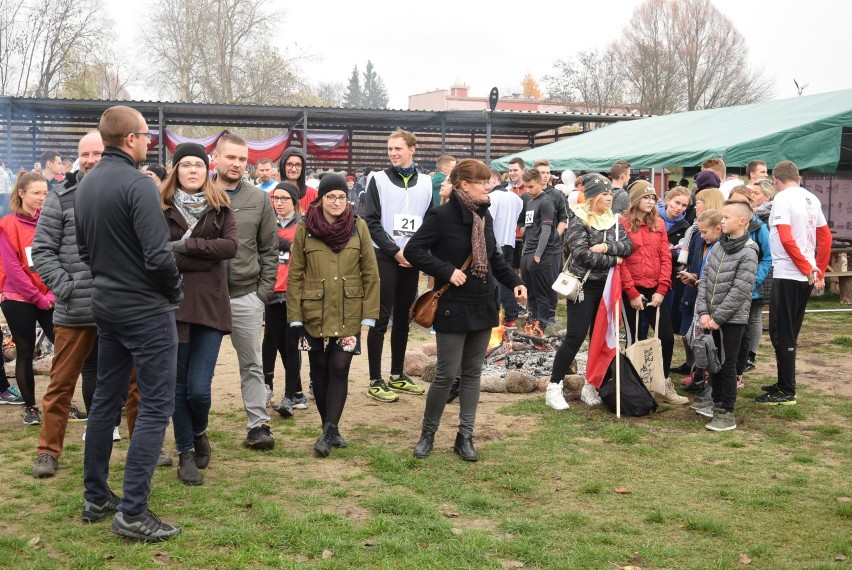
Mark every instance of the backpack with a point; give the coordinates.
(704, 350)
(636, 400)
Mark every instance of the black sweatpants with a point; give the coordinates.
(724, 382)
(398, 290)
(581, 320)
(279, 338)
(507, 296)
(538, 278)
(788, 302)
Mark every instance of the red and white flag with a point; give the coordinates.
(604, 340)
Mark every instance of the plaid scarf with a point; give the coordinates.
(479, 264)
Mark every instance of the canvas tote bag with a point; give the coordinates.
(647, 358)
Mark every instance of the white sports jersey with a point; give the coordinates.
(403, 208)
(802, 211)
(505, 208)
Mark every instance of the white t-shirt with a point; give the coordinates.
(505, 208)
(802, 211)
(728, 185)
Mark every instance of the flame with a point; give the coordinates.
(497, 335)
(532, 328)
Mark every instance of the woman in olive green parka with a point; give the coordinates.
(332, 291)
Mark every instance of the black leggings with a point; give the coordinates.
(280, 338)
(330, 377)
(22, 318)
(581, 320)
(398, 290)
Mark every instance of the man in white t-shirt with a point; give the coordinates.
(505, 208)
(800, 242)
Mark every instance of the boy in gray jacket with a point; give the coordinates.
(723, 301)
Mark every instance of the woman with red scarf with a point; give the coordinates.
(26, 300)
(332, 291)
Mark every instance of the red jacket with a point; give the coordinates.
(650, 264)
(285, 240)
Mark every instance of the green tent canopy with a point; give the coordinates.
(807, 130)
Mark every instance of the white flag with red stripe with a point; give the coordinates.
(604, 340)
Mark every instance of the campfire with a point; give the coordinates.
(531, 350)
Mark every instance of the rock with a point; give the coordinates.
(429, 369)
(573, 383)
(415, 360)
(42, 365)
(430, 349)
(10, 353)
(492, 383)
(542, 383)
(520, 382)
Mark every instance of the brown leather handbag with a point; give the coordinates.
(425, 306)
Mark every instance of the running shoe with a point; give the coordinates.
(403, 384)
(45, 466)
(96, 511)
(378, 390)
(300, 402)
(32, 417)
(12, 396)
(777, 398)
(145, 527)
(75, 415)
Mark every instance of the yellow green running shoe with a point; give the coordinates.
(378, 390)
(403, 384)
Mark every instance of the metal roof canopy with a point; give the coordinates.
(520, 124)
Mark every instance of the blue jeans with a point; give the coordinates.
(149, 344)
(196, 362)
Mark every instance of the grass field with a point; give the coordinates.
(582, 490)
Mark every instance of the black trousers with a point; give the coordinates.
(553, 296)
(581, 320)
(665, 334)
(398, 290)
(507, 296)
(788, 301)
(279, 338)
(724, 382)
(745, 347)
(538, 278)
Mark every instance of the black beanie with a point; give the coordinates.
(289, 188)
(190, 149)
(332, 181)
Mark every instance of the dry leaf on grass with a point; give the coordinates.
(456, 531)
(839, 557)
(162, 558)
(326, 554)
(622, 491)
(631, 568)
(744, 559)
(450, 514)
(370, 542)
(511, 564)
(844, 499)
(34, 542)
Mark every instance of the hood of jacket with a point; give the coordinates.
(283, 171)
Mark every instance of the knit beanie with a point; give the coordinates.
(190, 149)
(640, 189)
(330, 182)
(594, 184)
(707, 179)
(290, 188)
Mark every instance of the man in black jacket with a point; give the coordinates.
(122, 237)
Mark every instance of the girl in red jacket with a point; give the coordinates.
(646, 274)
(26, 300)
(278, 338)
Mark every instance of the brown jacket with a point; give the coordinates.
(202, 260)
(330, 293)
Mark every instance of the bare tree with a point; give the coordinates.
(104, 74)
(589, 82)
(220, 51)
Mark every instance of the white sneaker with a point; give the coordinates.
(115, 435)
(269, 395)
(553, 397)
(84, 434)
(589, 396)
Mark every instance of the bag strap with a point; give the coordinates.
(446, 285)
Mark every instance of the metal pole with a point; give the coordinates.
(350, 169)
(305, 134)
(488, 138)
(9, 134)
(161, 155)
(443, 134)
(34, 129)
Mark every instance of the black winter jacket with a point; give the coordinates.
(441, 245)
(122, 236)
(582, 237)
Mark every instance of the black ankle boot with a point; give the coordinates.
(464, 447)
(423, 449)
(187, 470)
(202, 450)
(323, 444)
(335, 439)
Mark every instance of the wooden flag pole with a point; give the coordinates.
(617, 362)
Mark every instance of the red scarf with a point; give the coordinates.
(335, 235)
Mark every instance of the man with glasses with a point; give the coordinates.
(397, 199)
(292, 168)
(251, 280)
(122, 236)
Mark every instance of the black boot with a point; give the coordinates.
(423, 449)
(202, 450)
(335, 438)
(464, 447)
(187, 470)
(323, 444)
(454, 390)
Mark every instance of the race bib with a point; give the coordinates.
(406, 224)
(529, 218)
(283, 257)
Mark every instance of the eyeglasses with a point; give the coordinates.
(146, 134)
(292, 165)
(282, 199)
(192, 165)
(334, 199)
(650, 198)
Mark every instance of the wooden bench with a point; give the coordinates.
(844, 278)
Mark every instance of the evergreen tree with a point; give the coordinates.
(354, 97)
(375, 92)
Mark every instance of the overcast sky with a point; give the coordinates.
(487, 44)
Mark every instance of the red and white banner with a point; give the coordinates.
(604, 340)
(326, 145)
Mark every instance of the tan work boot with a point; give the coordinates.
(670, 397)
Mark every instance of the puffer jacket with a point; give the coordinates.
(727, 281)
(759, 234)
(650, 264)
(580, 237)
(57, 260)
(331, 293)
